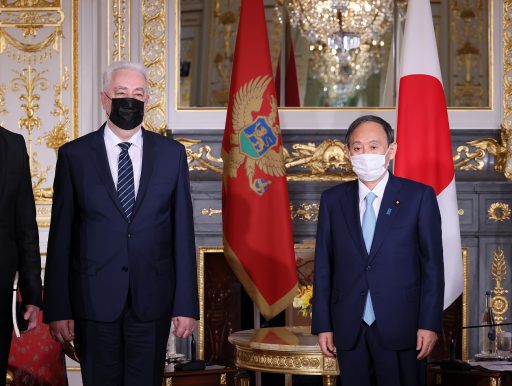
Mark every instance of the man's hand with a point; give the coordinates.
(31, 315)
(183, 326)
(426, 341)
(63, 330)
(326, 343)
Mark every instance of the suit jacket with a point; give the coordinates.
(403, 271)
(19, 238)
(95, 255)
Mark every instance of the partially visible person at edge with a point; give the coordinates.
(19, 240)
(121, 253)
(379, 280)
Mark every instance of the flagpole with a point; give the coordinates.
(283, 57)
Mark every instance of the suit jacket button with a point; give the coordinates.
(369, 267)
(130, 236)
(124, 269)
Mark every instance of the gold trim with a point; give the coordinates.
(305, 211)
(200, 283)
(51, 40)
(465, 304)
(154, 58)
(59, 135)
(325, 162)
(328, 162)
(211, 212)
(223, 379)
(498, 212)
(507, 64)
(30, 4)
(467, 160)
(461, 212)
(119, 11)
(499, 273)
(3, 88)
(43, 214)
(75, 60)
(306, 363)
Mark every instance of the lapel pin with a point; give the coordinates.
(397, 202)
(388, 212)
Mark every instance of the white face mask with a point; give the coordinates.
(369, 167)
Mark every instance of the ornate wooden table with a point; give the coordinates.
(286, 350)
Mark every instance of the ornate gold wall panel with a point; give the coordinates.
(118, 16)
(154, 54)
(507, 64)
(39, 83)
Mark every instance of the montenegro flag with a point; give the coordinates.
(258, 239)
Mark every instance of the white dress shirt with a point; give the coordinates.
(112, 142)
(377, 190)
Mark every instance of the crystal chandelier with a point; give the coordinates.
(342, 24)
(346, 41)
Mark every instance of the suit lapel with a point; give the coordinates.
(350, 206)
(387, 213)
(103, 167)
(3, 162)
(148, 160)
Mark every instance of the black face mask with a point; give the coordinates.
(126, 113)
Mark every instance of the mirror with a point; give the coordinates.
(344, 51)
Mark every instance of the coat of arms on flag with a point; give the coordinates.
(254, 140)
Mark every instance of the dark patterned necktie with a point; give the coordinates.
(125, 183)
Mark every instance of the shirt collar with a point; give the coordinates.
(378, 190)
(113, 140)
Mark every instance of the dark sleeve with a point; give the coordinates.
(432, 268)
(57, 304)
(186, 296)
(321, 319)
(27, 235)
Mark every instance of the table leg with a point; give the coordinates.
(329, 380)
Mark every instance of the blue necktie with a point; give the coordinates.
(125, 183)
(369, 221)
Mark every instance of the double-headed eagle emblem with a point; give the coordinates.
(254, 140)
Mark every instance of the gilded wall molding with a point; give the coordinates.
(465, 304)
(154, 57)
(121, 35)
(325, 162)
(501, 150)
(507, 64)
(328, 162)
(3, 88)
(499, 273)
(498, 212)
(304, 211)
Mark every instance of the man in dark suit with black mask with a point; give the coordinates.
(121, 258)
